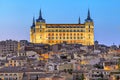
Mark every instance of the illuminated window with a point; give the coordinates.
(89, 25)
(89, 30)
(48, 30)
(40, 26)
(88, 34)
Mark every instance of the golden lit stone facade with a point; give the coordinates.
(41, 32)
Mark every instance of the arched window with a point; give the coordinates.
(49, 34)
(52, 34)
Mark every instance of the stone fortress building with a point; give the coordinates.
(80, 33)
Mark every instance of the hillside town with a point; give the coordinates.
(22, 60)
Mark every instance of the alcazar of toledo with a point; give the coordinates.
(80, 33)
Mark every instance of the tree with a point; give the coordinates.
(99, 79)
(36, 77)
(98, 66)
(119, 64)
(82, 77)
(117, 77)
(65, 70)
(70, 71)
(77, 77)
(101, 75)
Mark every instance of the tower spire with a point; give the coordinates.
(79, 20)
(40, 19)
(33, 21)
(33, 24)
(40, 15)
(88, 16)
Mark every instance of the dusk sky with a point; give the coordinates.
(16, 17)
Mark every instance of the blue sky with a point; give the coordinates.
(16, 16)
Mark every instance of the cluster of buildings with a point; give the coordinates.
(59, 52)
(23, 60)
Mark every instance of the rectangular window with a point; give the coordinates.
(81, 37)
(89, 30)
(89, 37)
